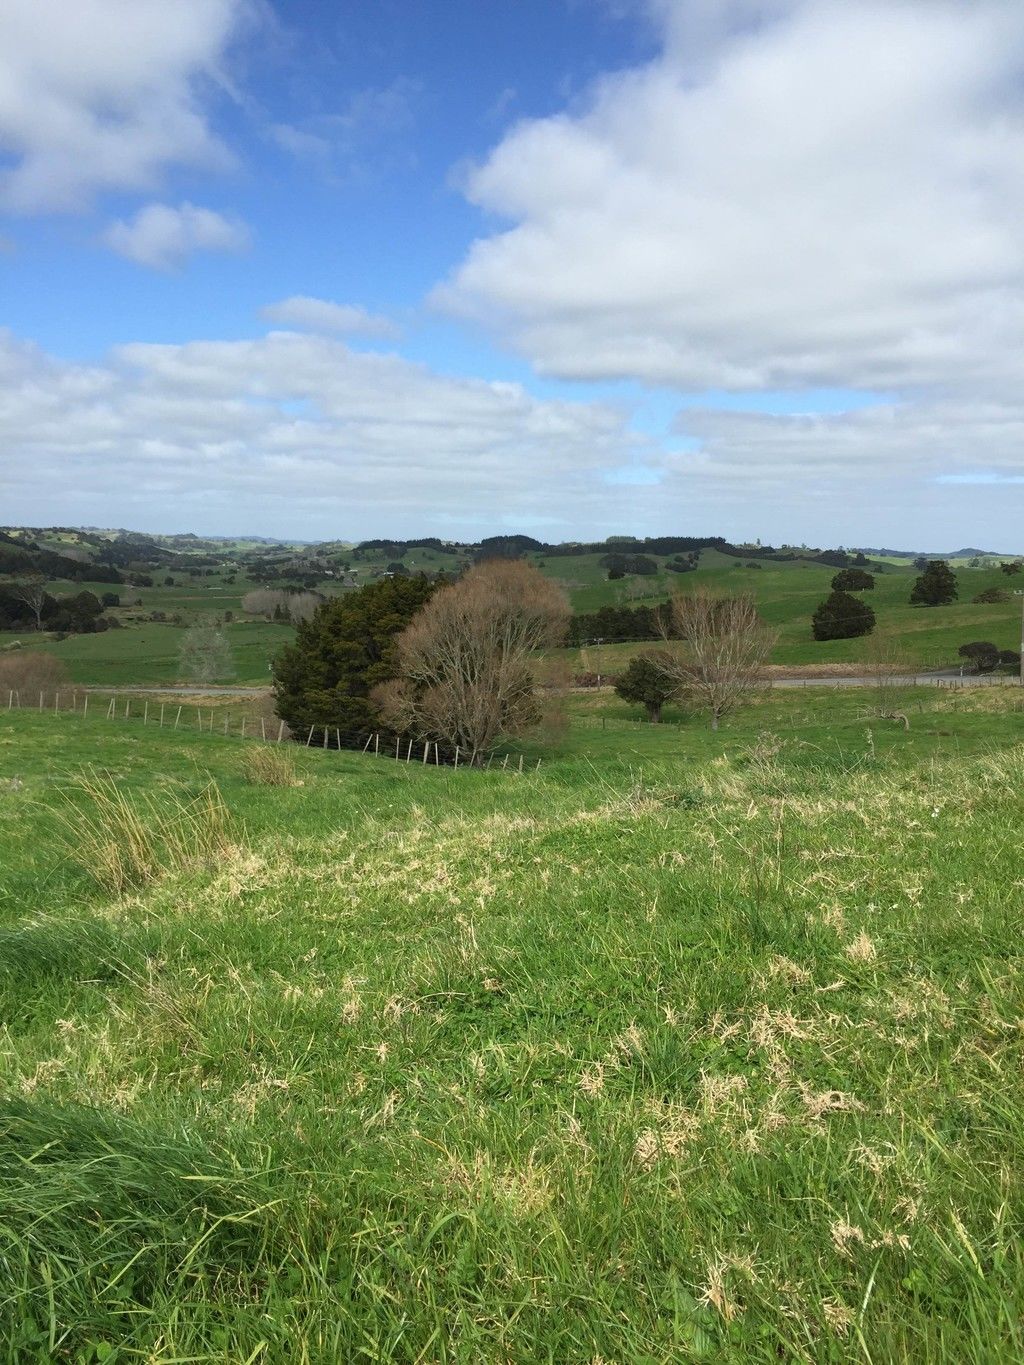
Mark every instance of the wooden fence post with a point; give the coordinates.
(520, 763)
(280, 732)
(145, 713)
(408, 754)
(243, 727)
(178, 716)
(309, 737)
(367, 744)
(40, 701)
(456, 756)
(162, 704)
(376, 745)
(85, 705)
(10, 701)
(426, 750)
(263, 727)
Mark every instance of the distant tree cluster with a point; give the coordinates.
(618, 565)
(27, 605)
(275, 604)
(853, 580)
(411, 660)
(619, 623)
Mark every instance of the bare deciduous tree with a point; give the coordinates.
(887, 664)
(264, 602)
(32, 591)
(465, 663)
(724, 644)
(205, 656)
(302, 605)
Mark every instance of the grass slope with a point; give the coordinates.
(683, 1048)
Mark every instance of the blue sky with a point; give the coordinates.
(750, 267)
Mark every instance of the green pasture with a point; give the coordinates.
(786, 593)
(683, 1047)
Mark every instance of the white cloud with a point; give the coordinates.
(300, 435)
(320, 315)
(105, 94)
(795, 193)
(295, 434)
(162, 237)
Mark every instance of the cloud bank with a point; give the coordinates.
(296, 435)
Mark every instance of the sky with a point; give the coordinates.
(575, 268)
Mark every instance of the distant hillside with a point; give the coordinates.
(26, 557)
(968, 553)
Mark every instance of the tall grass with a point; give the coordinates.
(124, 842)
(267, 767)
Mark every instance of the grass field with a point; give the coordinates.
(786, 593)
(685, 1047)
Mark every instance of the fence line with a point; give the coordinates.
(328, 736)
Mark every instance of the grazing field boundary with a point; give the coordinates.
(193, 718)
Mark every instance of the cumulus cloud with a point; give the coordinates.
(101, 94)
(295, 434)
(320, 315)
(162, 237)
(795, 193)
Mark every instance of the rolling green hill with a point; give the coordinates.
(210, 579)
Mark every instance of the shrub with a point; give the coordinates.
(982, 653)
(30, 671)
(647, 682)
(991, 595)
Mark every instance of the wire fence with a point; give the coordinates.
(192, 717)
